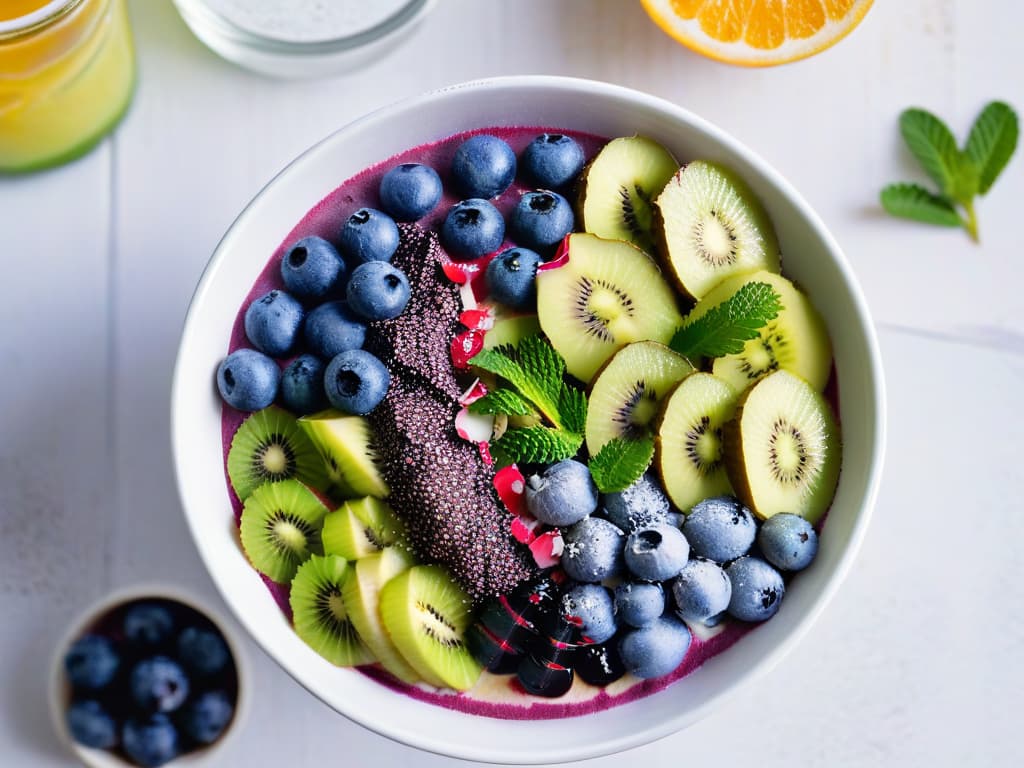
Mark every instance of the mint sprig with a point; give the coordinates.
(536, 373)
(725, 328)
(961, 175)
(620, 463)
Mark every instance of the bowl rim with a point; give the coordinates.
(58, 688)
(668, 725)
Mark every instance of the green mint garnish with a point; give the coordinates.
(537, 375)
(725, 328)
(620, 463)
(961, 175)
(539, 444)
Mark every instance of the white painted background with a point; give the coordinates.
(920, 658)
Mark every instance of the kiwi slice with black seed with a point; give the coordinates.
(688, 445)
(280, 528)
(598, 297)
(360, 527)
(361, 593)
(426, 615)
(796, 340)
(320, 615)
(628, 391)
(618, 186)
(783, 450)
(268, 447)
(347, 446)
(712, 226)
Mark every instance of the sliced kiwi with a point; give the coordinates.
(347, 446)
(361, 527)
(783, 450)
(796, 340)
(320, 615)
(361, 595)
(711, 226)
(426, 615)
(628, 391)
(688, 446)
(602, 295)
(619, 185)
(281, 528)
(268, 447)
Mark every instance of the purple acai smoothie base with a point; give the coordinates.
(507, 700)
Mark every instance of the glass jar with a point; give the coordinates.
(302, 38)
(67, 73)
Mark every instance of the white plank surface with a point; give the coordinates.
(919, 659)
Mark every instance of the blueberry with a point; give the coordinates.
(547, 669)
(410, 191)
(564, 494)
(593, 550)
(302, 385)
(640, 505)
(273, 322)
(590, 608)
(333, 328)
(203, 651)
(91, 663)
(720, 529)
(377, 291)
(368, 235)
(91, 725)
(599, 664)
(484, 166)
(248, 380)
(541, 220)
(150, 742)
(657, 552)
(356, 382)
(312, 268)
(206, 716)
(639, 603)
(159, 684)
(472, 228)
(148, 625)
(757, 589)
(701, 591)
(552, 160)
(788, 541)
(656, 649)
(511, 278)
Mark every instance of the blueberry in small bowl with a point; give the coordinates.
(148, 677)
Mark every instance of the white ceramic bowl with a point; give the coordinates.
(59, 690)
(812, 257)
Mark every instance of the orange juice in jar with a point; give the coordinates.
(67, 72)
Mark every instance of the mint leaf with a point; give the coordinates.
(992, 142)
(537, 372)
(620, 463)
(934, 147)
(961, 176)
(539, 444)
(506, 401)
(572, 404)
(725, 328)
(910, 201)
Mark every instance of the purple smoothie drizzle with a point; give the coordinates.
(325, 220)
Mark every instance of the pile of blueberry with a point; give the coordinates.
(633, 578)
(153, 680)
(317, 323)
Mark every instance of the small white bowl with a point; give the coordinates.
(812, 257)
(60, 690)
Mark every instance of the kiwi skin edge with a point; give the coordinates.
(732, 456)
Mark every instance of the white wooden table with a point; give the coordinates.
(920, 658)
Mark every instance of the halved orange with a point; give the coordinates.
(757, 33)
